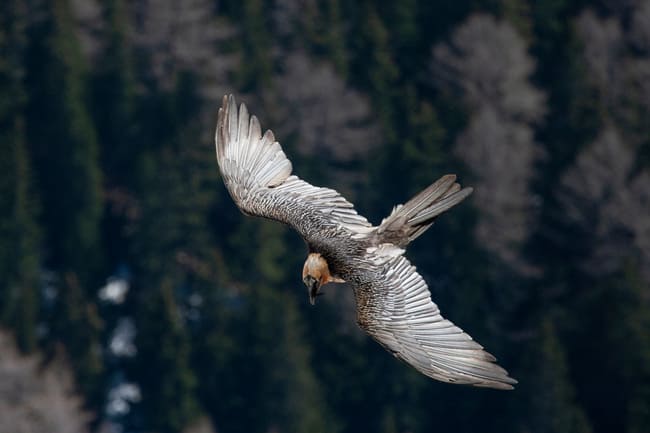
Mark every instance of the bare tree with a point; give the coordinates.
(488, 62)
(617, 57)
(602, 194)
(606, 192)
(90, 25)
(501, 156)
(327, 116)
(36, 398)
(603, 48)
(182, 36)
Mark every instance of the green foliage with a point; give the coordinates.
(61, 133)
(19, 253)
(617, 323)
(114, 97)
(551, 399)
(374, 52)
(335, 43)
(298, 404)
(256, 71)
(168, 383)
(170, 251)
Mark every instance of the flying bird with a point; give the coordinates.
(393, 301)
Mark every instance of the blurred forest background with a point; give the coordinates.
(134, 297)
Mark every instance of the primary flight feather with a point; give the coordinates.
(393, 301)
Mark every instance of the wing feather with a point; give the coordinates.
(398, 312)
(257, 173)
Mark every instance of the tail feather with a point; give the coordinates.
(422, 200)
(440, 206)
(407, 222)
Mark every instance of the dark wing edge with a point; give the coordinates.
(400, 315)
(254, 165)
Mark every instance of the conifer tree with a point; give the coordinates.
(379, 71)
(64, 150)
(616, 322)
(171, 259)
(19, 252)
(285, 361)
(62, 138)
(550, 396)
(163, 371)
(162, 366)
(113, 97)
(255, 45)
(335, 41)
(19, 249)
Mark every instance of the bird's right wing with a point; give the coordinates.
(398, 312)
(258, 176)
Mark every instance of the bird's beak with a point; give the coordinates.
(313, 285)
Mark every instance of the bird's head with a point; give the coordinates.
(315, 274)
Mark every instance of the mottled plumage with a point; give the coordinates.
(393, 302)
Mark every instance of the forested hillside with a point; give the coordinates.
(129, 281)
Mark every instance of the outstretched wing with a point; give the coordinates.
(397, 311)
(258, 176)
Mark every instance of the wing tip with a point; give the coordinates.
(256, 159)
(506, 383)
(500, 381)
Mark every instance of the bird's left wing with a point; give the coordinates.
(258, 176)
(397, 311)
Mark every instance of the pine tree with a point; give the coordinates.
(405, 35)
(164, 372)
(314, 27)
(19, 249)
(550, 404)
(614, 320)
(63, 142)
(19, 253)
(114, 97)
(285, 359)
(64, 149)
(171, 258)
(633, 336)
(257, 66)
(335, 42)
(380, 73)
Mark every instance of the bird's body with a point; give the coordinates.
(393, 302)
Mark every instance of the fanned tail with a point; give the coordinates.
(408, 221)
